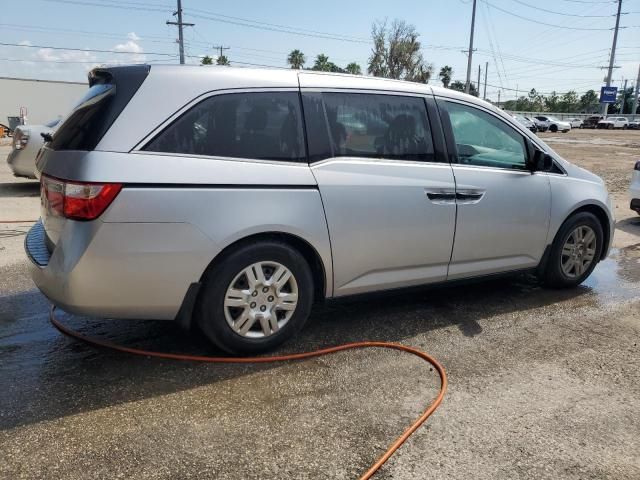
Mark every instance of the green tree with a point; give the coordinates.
(589, 102)
(445, 75)
(206, 60)
(459, 86)
(223, 60)
(296, 59)
(396, 53)
(353, 68)
(322, 63)
(552, 102)
(568, 102)
(536, 101)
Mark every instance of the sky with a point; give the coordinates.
(549, 45)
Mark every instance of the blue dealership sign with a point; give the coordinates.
(608, 94)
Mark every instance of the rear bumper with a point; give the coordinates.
(118, 270)
(21, 164)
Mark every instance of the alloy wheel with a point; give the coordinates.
(261, 299)
(579, 251)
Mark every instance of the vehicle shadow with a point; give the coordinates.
(629, 225)
(21, 189)
(48, 376)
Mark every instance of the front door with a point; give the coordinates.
(503, 209)
(389, 199)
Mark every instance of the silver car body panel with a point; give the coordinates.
(23, 161)
(372, 222)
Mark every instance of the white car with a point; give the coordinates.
(634, 190)
(575, 122)
(614, 122)
(553, 124)
(27, 140)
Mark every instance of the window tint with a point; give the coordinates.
(370, 125)
(482, 139)
(261, 125)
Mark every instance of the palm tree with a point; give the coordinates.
(322, 63)
(223, 60)
(206, 60)
(445, 75)
(354, 69)
(296, 59)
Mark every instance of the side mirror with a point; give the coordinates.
(539, 161)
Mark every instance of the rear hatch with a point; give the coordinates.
(67, 199)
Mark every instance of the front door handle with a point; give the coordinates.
(441, 196)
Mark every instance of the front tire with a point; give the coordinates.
(575, 251)
(553, 128)
(255, 298)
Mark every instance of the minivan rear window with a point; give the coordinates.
(256, 125)
(110, 90)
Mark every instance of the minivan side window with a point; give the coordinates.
(367, 125)
(484, 140)
(258, 125)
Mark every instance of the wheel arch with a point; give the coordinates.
(601, 214)
(308, 251)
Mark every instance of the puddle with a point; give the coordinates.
(617, 277)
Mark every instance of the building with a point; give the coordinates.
(42, 100)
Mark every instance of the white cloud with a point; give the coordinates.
(133, 36)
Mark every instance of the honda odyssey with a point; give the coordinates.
(237, 198)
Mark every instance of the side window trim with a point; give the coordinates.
(157, 130)
(430, 111)
(449, 136)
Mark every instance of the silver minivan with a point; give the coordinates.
(239, 197)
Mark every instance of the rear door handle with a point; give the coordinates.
(469, 196)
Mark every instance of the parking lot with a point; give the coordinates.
(543, 383)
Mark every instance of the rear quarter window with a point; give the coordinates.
(256, 125)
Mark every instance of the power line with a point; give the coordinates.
(539, 22)
(535, 7)
(89, 50)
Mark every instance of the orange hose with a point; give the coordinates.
(284, 358)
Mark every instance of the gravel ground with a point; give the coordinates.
(543, 384)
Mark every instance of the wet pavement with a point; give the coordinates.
(543, 384)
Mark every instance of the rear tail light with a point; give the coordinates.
(20, 139)
(77, 201)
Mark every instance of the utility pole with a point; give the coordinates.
(612, 58)
(478, 84)
(635, 97)
(469, 60)
(180, 24)
(499, 98)
(221, 48)
(486, 69)
(624, 96)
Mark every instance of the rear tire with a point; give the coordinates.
(249, 313)
(553, 128)
(567, 265)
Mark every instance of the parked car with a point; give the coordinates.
(27, 140)
(634, 189)
(526, 122)
(553, 124)
(614, 122)
(542, 126)
(634, 125)
(592, 121)
(278, 205)
(575, 122)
